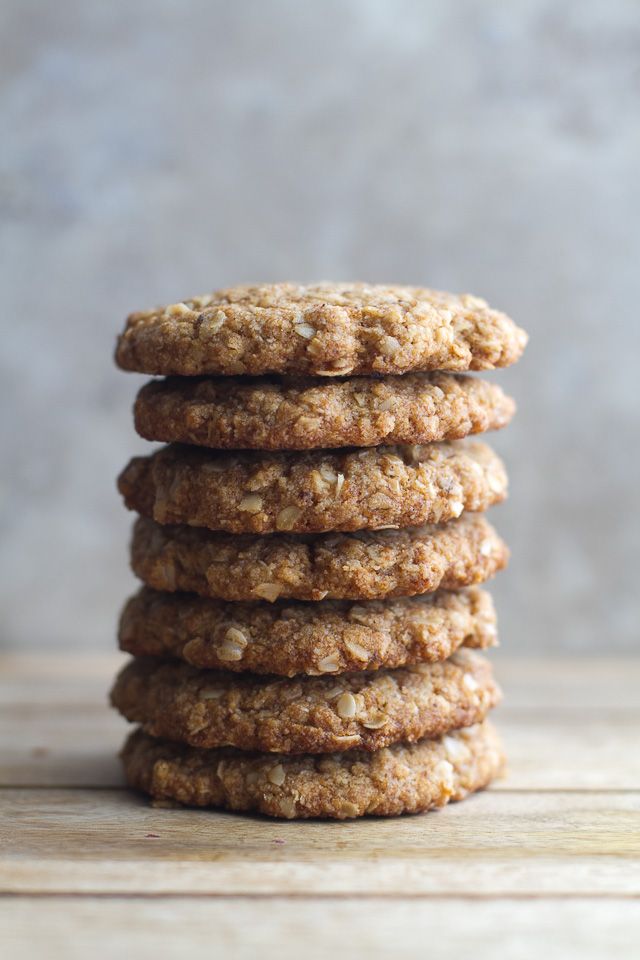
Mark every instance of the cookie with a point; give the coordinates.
(287, 638)
(305, 414)
(314, 491)
(348, 711)
(324, 329)
(358, 566)
(402, 778)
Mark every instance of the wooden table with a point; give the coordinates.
(544, 864)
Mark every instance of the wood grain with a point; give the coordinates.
(567, 725)
(281, 929)
(93, 841)
(565, 823)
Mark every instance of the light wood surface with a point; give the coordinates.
(545, 862)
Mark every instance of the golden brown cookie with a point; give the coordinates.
(325, 329)
(340, 566)
(314, 491)
(287, 638)
(402, 778)
(347, 711)
(280, 413)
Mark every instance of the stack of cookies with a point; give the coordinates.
(311, 541)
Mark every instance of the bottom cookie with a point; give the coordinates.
(402, 778)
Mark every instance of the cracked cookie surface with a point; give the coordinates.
(325, 329)
(280, 413)
(340, 566)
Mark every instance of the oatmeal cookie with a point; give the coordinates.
(358, 566)
(402, 778)
(314, 491)
(347, 711)
(324, 329)
(280, 413)
(287, 638)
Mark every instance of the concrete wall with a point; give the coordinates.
(154, 150)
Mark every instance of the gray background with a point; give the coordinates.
(154, 150)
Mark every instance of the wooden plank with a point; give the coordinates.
(584, 685)
(56, 728)
(587, 685)
(499, 844)
(50, 746)
(57, 678)
(282, 929)
(552, 752)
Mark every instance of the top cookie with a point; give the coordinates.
(324, 329)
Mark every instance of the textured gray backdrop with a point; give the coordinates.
(157, 149)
